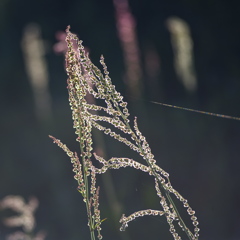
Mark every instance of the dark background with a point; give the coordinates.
(200, 152)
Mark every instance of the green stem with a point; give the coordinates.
(85, 178)
(88, 207)
(186, 230)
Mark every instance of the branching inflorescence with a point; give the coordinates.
(85, 80)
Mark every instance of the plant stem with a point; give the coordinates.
(88, 207)
(187, 231)
(85, 178)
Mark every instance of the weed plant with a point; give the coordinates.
(109, 114)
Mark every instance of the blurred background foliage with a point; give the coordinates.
(200, 152)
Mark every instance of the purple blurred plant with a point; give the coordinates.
(126, 27)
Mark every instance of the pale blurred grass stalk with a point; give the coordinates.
(36, 67)
(183, 52)
(23, 218)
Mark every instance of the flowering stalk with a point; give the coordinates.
(83, 128)
(85, 79)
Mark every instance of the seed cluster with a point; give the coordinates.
(124, 220)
